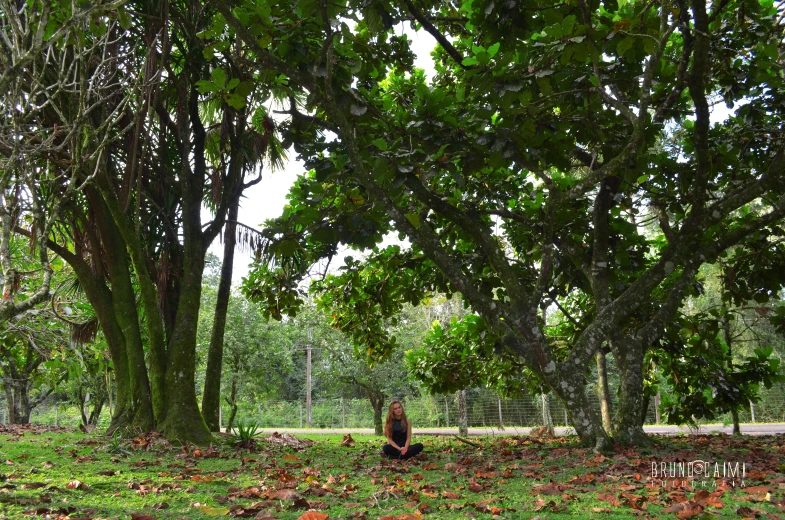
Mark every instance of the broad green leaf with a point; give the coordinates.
(219, 78)
(244, 88)
(624, 45)
(545, 86)
(204, 86)
(567, 24)
(235, 101)
(493, 49)
(124, 18)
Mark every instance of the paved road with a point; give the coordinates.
(751, 429)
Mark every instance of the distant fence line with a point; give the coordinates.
(484, 409)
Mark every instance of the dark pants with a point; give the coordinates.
(392, 453)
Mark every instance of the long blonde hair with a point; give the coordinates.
(388, 423)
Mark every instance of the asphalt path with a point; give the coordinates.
(750, 429)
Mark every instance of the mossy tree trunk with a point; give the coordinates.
(18, 374)
(629, 357)
(17, 394)
(231, 400)
(211, 398)
(95, 286)
(377, 402)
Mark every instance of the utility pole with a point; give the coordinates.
(308, 384)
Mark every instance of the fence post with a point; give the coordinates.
(308, 384)
(446, 412)
(566, 419)
(657, 417)
(501, 419)
(343, 414)
(752, 411)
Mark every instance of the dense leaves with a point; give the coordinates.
(529, 171)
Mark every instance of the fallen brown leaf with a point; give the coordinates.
(313, 515)
(551, 488)
(611, 499)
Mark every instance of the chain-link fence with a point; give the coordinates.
(484, 409)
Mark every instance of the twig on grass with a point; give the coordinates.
(470, 443)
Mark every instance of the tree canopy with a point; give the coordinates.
(526, 172)
(587, 157)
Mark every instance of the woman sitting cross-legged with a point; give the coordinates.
(398, 430)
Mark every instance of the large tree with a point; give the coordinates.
(179, 125)
(56, 69)
(522, 173)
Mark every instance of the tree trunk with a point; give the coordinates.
(124, 307)
(232, 402)
(17, 382)
(95, 414)
(463, 417)
(377, 402)
(83, 406)
(734, 410)
(100, 298)
(629, 359)
(9, 403)
(602, 390)
(18, 399)
(211, 398)
(547, 420)
(183, 420)
(645, 407)
(128, 244)
(583, 417)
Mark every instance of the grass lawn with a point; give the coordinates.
(60, 474)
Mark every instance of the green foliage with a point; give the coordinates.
(116, 446)
(464, 354)
(527, 174)
(245, 434)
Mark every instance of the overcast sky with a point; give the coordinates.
(267, 199)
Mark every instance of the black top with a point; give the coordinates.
(398, 433)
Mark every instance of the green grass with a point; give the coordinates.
(518, 476)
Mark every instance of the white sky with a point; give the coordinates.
(267, 199)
